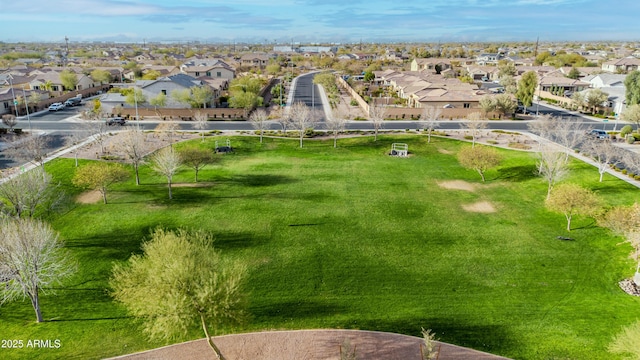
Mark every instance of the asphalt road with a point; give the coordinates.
(57, 125)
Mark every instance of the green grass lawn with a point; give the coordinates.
(352, 238)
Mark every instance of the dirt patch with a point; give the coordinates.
(193, 185)
(457, 185)
(89, 197)
(480, 207)
(445, 151)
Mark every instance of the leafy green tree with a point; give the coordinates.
(625, 221)
(273, 69)
(574, 73)
(595, 98)
(158, 101)
(632, 113)
(571, 200)
(244, 100)
(178, 281)
(202, 95)
(69, 79)
(196, 158)
(151, 75)
(369, 76)
(507, 69)
(182, 96)
(578, 98)
(100, 176)
(135, 97)
(479, 158)
(101, 76)
(527, 88)
(632, 88)
(245, 84)
(32, 261)
(505, 104)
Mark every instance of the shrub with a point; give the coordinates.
(468, 137)
(353, 102)
(630, 139)
(627, 129)
(624, 171)
(492, 142)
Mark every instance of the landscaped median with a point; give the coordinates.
(353, 238)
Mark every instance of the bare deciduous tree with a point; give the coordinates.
(201, 122)
(100, 133)
(79, 134)
(29, 192)
(167, 130)
(135, 146)
(552, 166)
(430, 116)
(258, 120)
(302, 118)
(475, 125)
(377, 114)
(604, 153)
(32, 261)
(10, 121)
(32, 148)
(166, 162)
(562, 130)
(336, 123)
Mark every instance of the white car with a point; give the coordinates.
(56, 106)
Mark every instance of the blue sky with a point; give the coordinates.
(308, 21)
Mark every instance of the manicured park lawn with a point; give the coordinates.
(353, 238)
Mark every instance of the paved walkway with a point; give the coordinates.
(309, 345)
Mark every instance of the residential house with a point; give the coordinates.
(433, 65)
(556, 84)
(612, 84)
(621, 66)
(152, 88)
(214, 68)
(50, 81)
(254, 60)
(488, 59)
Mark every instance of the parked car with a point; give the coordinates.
(598, 134)
(74, 101)
(117, 120)
(56, 106)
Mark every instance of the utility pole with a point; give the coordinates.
(66, 54)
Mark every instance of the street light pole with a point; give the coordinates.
(135, 101)
(26, 106)
(538, 103)
(15, 103)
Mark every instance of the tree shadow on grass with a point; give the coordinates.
(302, 309)
(517, 173)
(262, 180)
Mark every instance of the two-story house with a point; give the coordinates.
(213, 68)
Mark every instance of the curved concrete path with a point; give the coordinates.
(308, 345)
